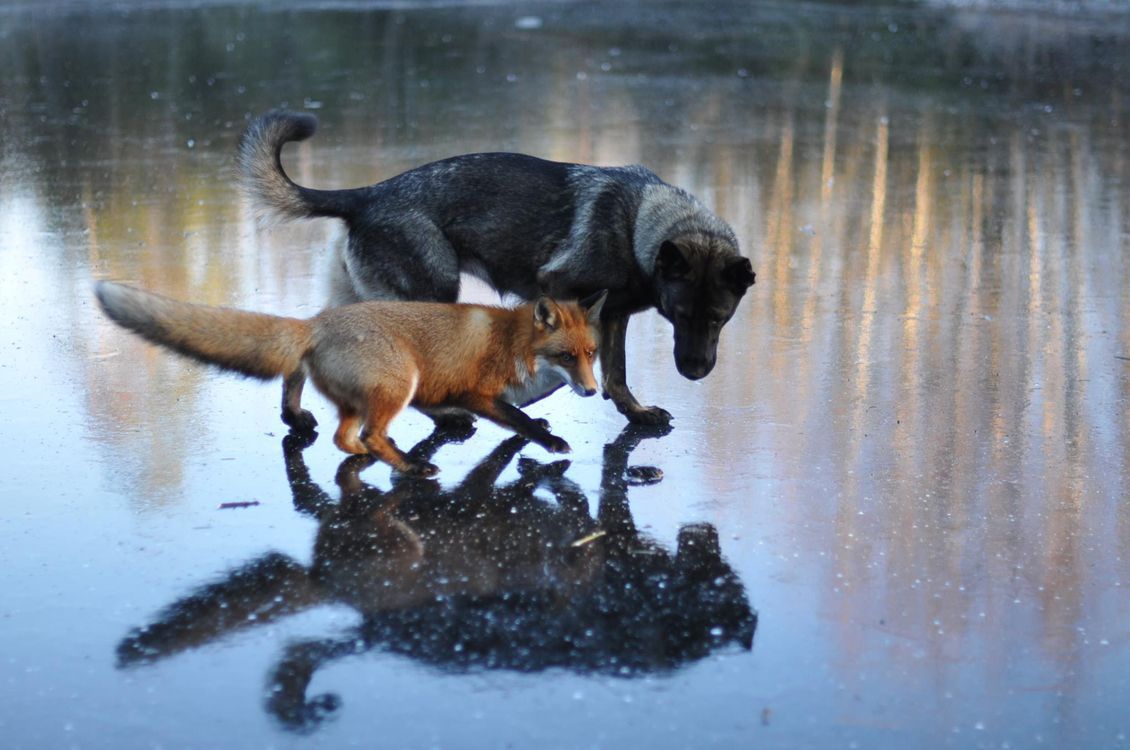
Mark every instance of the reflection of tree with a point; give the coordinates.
(479, 576)
(955, 365)
(935, 206)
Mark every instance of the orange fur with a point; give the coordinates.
(372, 359)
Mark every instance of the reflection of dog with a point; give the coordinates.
(525, 226)
(481, 575)
(372, 359)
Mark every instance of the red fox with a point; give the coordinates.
(372, 359)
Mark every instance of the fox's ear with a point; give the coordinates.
(671, 263)
(592, 305)
(545, 313)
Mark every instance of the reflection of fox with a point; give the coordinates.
(372, 359)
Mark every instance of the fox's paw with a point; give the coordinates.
(528, 468)
(299, 421)
(298, 440)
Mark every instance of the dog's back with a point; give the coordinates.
(501, 216)
(525, 226)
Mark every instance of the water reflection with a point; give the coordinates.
(482, 575)
(918, 433)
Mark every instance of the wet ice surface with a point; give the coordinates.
(913, 450)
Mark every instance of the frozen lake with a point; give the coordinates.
(910, 462)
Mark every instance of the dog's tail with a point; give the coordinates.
(252, 344)
(265, 181)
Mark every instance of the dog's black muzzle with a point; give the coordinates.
(695, 367)
(696, 348)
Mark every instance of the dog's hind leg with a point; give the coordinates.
(341, 289)
(407, 259)
(452, 422)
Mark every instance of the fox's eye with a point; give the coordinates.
(591, 353)
(568, 358)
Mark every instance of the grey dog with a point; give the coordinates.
(525, 226)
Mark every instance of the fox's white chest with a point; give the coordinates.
(534, 386)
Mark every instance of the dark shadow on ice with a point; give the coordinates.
(477, 576)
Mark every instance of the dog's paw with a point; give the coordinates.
(456, 427)
(300, 421)
(643, 475)
(649, 415)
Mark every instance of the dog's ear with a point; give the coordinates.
(671, 263)
(739, 275)
(545, 313)
(592, 305)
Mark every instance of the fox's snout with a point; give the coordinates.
(580, 379)
(570, 343)
(582, 383)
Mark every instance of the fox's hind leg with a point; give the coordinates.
(385, 449)
(384, 405)
(293, 415)
(346, 438)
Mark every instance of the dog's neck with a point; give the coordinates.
(661, 207)
(666, 213)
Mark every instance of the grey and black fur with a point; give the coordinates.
(525, 226)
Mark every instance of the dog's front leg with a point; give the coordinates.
(614, 374)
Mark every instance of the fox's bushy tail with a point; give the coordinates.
(252, 344)
(264, 179)
(260, 592)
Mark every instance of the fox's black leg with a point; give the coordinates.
(506, 414)
(293, 414)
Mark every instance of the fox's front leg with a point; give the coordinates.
(614, 376)
(506, 414)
